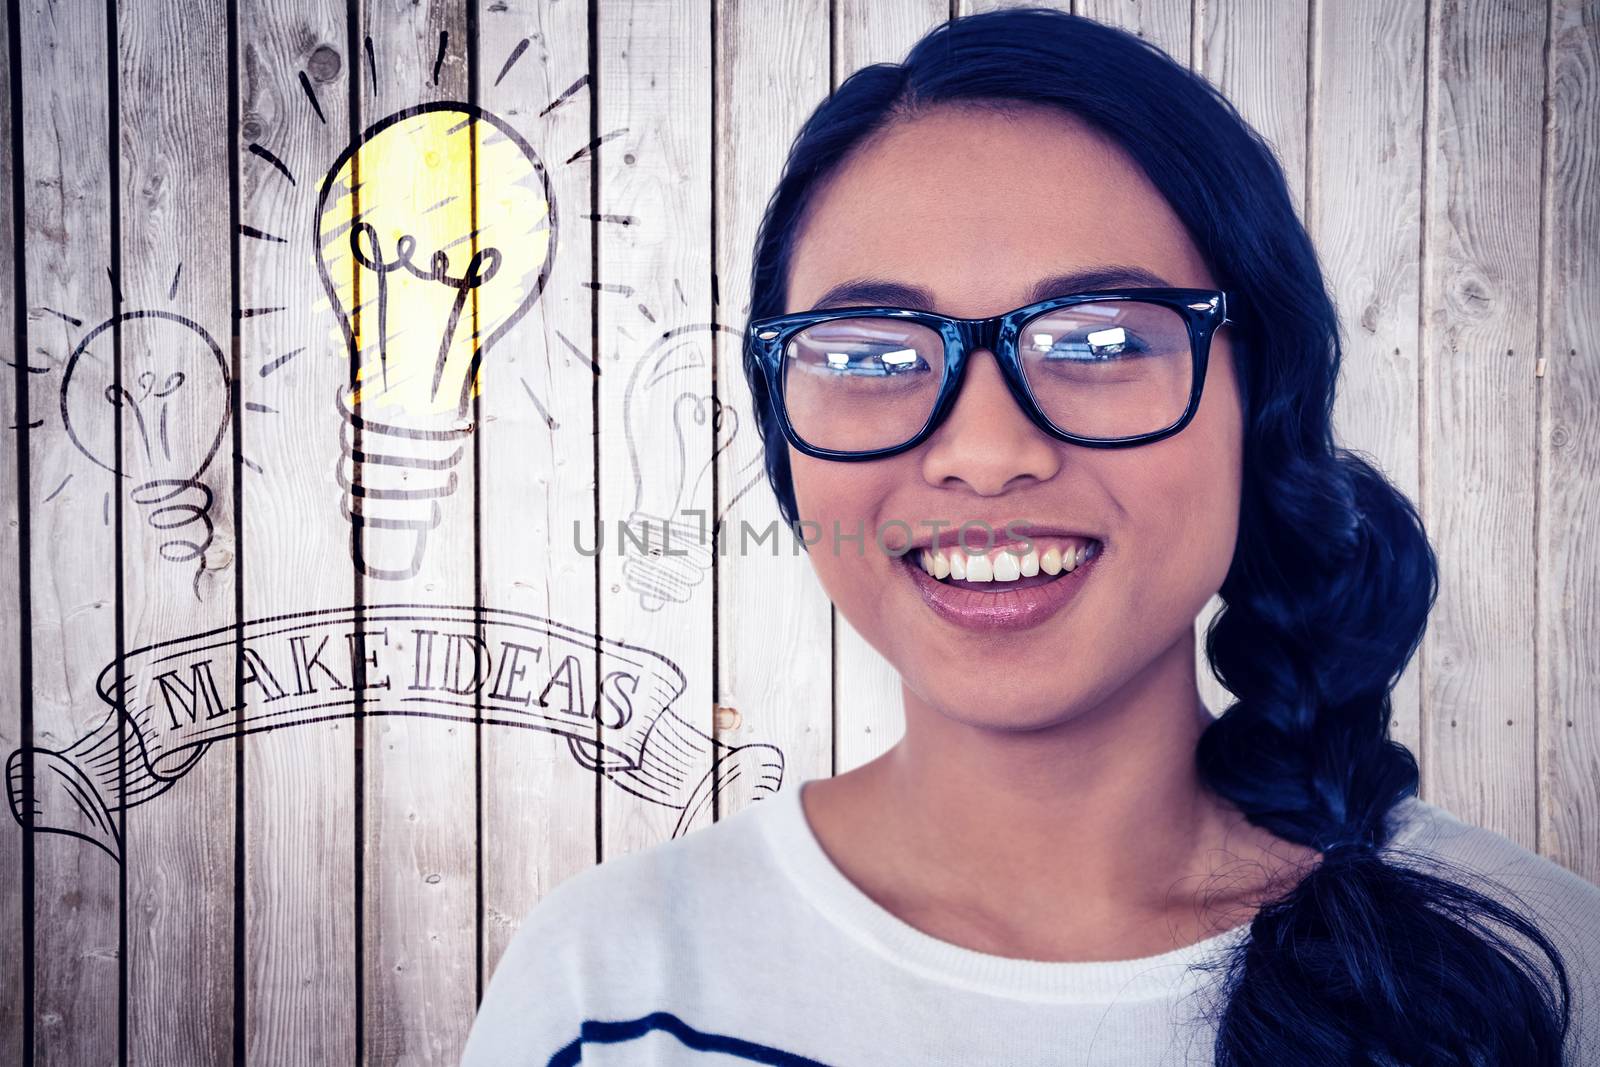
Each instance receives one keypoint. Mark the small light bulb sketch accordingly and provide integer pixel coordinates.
(669, 513)
(174, 405)
(434, 233)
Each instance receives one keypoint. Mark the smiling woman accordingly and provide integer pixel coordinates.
(1035, 307)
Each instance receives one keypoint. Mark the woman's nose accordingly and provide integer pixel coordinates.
(987, 442)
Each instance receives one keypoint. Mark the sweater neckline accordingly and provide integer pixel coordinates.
(799, 854)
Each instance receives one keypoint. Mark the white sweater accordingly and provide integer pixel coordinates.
(741, 942)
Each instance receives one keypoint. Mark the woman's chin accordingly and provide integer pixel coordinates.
(981, 702)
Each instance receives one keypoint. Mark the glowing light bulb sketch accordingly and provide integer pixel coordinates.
(678, 543)
(174, 398)
(434, 234)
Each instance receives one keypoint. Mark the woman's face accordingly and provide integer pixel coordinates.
(976, 208)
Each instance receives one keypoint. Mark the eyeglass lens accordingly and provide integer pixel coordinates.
(1108, 369)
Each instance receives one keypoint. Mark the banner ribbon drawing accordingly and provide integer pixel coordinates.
(488, 665)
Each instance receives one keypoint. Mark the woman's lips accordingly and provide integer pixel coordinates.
(1011, 606)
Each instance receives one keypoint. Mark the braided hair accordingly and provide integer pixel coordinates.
(1367, 959)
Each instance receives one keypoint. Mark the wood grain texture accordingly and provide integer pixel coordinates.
(299, 824)
(175, 234)
(71, 569)
(1256, 52)
(1364, 217)
(775, 668)
(1167, 24)
(15, 945)
(536, 464)
(655, 422)
(419, 788)
(1480, 299)
(1569, 449)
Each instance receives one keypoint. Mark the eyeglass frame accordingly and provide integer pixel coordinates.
(1203, 311)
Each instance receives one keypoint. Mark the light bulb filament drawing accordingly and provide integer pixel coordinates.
(175, 415)
(121, 397)
(438, 271)
(413, 186)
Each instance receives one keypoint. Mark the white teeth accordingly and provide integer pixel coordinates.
(1005, 565)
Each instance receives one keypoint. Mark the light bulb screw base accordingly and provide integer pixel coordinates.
(392, 486)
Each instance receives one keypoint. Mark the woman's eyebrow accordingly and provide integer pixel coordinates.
(1110, 276)
(881, 291)
(876, 291)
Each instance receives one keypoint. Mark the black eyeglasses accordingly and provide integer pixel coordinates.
(1110, 368)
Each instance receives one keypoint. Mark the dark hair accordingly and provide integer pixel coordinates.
(1367, 960)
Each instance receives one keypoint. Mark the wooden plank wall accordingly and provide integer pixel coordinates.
(340, 890)
(299, 785)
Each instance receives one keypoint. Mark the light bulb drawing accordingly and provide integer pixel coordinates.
(174, 399)
(434, 234)
(678, 542)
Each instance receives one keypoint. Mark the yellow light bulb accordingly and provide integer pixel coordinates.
(434, 234)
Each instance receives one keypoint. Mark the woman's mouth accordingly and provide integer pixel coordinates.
(1001, 588)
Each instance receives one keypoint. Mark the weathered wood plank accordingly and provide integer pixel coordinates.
(1167, 24)
(299, 860)
(420, 793)
(1480, 300)
(1569, 450)
(71, 569)
(175, 163)
(1365, 220)
(974, 7)
(536, 450)
(655, 418)
(17, 935)
(1256, 52)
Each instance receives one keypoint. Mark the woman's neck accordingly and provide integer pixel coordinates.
(1089, 839)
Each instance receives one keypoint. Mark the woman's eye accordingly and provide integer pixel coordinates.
(877, 364)
(1112, 343)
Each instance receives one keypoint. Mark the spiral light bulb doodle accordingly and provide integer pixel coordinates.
(174, 399)
(434, 234)
(678, 545)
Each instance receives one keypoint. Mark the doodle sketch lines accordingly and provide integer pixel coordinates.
(487, 666)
